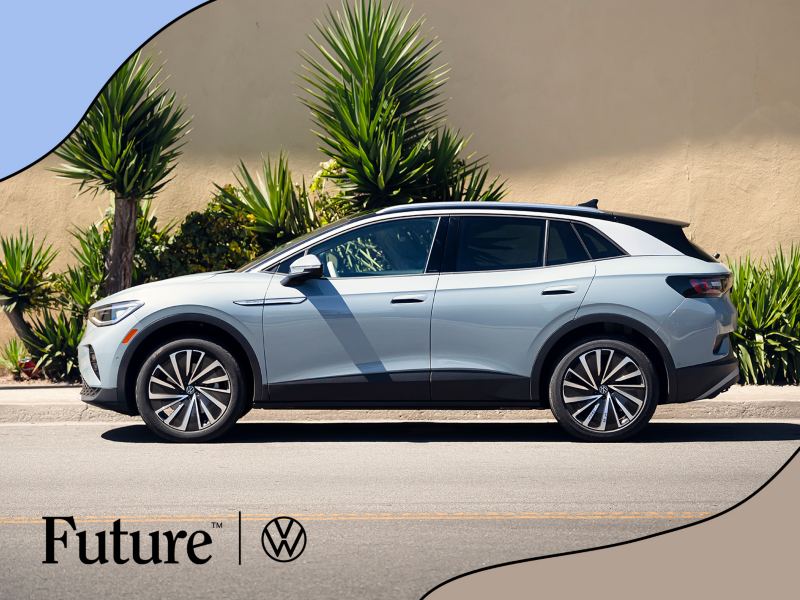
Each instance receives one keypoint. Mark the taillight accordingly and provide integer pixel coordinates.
(700, 286)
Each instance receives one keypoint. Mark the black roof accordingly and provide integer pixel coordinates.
(559, 209)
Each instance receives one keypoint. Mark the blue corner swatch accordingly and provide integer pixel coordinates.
(56, 56)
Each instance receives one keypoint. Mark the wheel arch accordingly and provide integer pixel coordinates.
(598, 324)
(206, 326)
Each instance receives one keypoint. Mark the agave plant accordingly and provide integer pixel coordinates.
(11, 354)
(460, 180)
(278, 209)
(56, 344)
(767, 298)
(25, 282)
(375, 96)
(78, 290)
(127, 144)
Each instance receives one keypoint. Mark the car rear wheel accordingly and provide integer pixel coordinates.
(603, 389)
(190, 390)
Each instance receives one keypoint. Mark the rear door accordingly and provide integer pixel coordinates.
(497, 298)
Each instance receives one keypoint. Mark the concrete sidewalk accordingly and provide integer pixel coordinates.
(54, 403)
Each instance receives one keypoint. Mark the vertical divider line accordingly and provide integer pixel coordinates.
(240, 538)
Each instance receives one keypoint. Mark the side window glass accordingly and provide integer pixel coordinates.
(563, 245)
(398, 247)
(599, 246)
(499, 243)
(286, 263)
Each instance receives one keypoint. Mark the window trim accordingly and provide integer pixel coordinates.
(439, 219)
(272, 264)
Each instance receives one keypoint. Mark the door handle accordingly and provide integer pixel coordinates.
(409, 298)
(557, 290)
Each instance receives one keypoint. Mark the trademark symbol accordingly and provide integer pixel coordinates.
(215, 525)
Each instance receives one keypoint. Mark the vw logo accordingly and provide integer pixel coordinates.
(603, 389)
(190, 390)
(283, 539)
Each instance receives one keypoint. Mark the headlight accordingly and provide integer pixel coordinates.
(113, 313)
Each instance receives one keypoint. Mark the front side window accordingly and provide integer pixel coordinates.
(499, 243)
(398, 247)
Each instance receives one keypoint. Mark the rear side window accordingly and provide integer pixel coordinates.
(599, 246)
(499, 243)
(563, 245)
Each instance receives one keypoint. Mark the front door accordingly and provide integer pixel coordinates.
(362, 332)
(497, 299)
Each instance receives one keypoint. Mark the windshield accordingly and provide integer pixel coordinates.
(299, 240)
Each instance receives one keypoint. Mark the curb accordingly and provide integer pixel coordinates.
(49, 412)
(53, 404)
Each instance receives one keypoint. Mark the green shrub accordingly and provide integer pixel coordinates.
(767, 297)
(216, 239)
(57, 339)
(329, 204)
(11, 354)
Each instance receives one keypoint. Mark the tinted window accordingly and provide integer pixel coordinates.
(285, 265)
(563, 245)
(392, 248)
(599, 246)
(494, 243)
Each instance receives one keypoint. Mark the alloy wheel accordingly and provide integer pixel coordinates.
(189, 390)
(604, 390)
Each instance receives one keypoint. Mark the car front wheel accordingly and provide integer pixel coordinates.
(603, 389)
(190, 390)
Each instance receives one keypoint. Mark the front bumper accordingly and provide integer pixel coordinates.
(105, 398)
(708, 379)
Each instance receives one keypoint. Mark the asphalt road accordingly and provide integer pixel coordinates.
(390, 509)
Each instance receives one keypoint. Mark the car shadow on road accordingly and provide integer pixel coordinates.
(426, 432)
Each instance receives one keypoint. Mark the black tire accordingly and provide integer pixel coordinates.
(172, 400)
(614, 400)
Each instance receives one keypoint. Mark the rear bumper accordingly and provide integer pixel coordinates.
(106, 398)
(707, 380)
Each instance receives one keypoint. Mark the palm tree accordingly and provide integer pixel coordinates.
(128, 145)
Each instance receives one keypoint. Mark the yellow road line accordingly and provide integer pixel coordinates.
(369, 517)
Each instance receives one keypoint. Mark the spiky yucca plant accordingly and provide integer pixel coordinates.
(25, 282)
(279, 210)
(127, 144)
(375, 95)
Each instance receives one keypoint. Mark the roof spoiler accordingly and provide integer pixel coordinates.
(593, 204)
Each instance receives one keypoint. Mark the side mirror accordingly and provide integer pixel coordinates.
(304, 268)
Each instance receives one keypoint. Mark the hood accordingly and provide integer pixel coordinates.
(132, 293)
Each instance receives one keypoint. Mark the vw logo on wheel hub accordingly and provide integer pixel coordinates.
(603, 389)
(190, 390)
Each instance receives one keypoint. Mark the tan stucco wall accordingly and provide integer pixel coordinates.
(687, 108)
